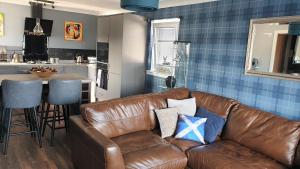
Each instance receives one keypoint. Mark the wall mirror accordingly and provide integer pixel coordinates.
(274, 47)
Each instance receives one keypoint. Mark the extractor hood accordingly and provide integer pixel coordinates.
(36, 25)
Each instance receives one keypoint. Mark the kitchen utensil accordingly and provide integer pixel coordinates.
(16, 58)
(79, 59)
(54, 60)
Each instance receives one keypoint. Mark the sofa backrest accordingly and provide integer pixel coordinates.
(118, 117)
(126, 115)
(214, 103)
(263, 132)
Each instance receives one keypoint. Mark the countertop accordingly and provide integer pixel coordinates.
(62, 63)
(24, 77)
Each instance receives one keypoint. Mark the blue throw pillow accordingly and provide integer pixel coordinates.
(190, 128)
(214, 124)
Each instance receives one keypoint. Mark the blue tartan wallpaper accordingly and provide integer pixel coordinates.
(219, 33)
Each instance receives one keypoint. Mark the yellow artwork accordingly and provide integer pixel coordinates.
(1, 24)
(73, 31)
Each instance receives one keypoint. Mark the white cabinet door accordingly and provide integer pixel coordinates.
(114, 88)
(115, 44)
(103, 29)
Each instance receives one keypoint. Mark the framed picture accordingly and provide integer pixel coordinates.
(73, 31)
(1, 24)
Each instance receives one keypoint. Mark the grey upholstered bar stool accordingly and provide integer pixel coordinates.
(20, 95)
(63, 94)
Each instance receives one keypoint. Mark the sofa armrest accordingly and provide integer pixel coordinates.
(91, 149)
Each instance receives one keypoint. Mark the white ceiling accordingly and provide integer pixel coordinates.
(103, 7)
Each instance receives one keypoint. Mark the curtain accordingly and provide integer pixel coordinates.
(149, 45)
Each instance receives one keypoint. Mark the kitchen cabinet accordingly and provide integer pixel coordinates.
(126, 37)
(103, 26)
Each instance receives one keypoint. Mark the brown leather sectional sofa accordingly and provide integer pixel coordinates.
(124, 133)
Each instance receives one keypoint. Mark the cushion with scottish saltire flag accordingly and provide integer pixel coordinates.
(191, 128)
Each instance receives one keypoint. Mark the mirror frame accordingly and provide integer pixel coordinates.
(249, 48)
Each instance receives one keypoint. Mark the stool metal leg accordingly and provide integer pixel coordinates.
(65, 118)
(42, 114)
(2, 125)
(45, 120)
(36, 126)
(28, 113)
(8, 115)
(55, 112)
(26, 117)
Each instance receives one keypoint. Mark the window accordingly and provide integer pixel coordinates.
(164, 34)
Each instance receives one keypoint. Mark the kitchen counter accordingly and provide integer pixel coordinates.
(24, 77)
(64, 67)
(40, 64)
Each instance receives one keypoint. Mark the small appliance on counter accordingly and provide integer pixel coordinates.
(3, 54)
(79, 59)
(54, 60)
(92, 60)
(16, 58)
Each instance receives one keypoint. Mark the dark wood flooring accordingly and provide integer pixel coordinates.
(25, 153)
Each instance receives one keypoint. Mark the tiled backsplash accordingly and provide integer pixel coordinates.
(69, 54)
(63, 54)
(219, 33)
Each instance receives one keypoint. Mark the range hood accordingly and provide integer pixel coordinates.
(37, 12)
(36, 25)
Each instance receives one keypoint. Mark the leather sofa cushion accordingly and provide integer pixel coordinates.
(118, 117)
(264, 132)
(184, 145)
(214, 103)
(228, 155)
(159, 101)
(145, 150)
(138, 141)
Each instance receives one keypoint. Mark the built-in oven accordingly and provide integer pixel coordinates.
(102, 65)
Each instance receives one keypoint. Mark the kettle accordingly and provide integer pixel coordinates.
(79, 59)
(16, 58)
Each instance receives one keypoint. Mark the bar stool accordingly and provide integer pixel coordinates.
(63, 94)
(20, 95)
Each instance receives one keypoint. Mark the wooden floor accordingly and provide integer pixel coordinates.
(25, 153)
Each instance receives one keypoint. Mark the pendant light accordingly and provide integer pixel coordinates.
(140, 5)
(38, 30)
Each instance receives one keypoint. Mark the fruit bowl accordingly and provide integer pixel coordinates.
(43, 72)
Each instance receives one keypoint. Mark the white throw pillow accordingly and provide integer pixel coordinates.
(167, 120)
(187, 106)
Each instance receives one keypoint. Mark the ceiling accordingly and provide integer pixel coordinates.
(102, 7)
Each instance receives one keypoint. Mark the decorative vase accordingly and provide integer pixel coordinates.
(170, 81)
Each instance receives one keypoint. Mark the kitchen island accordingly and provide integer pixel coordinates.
(65, 67)
(24, 77)
(87, 89)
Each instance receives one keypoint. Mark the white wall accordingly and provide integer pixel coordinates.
(14, 18)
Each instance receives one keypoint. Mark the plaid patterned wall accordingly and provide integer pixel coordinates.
(219, 34)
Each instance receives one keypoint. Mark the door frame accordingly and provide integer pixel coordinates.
(275, 39)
